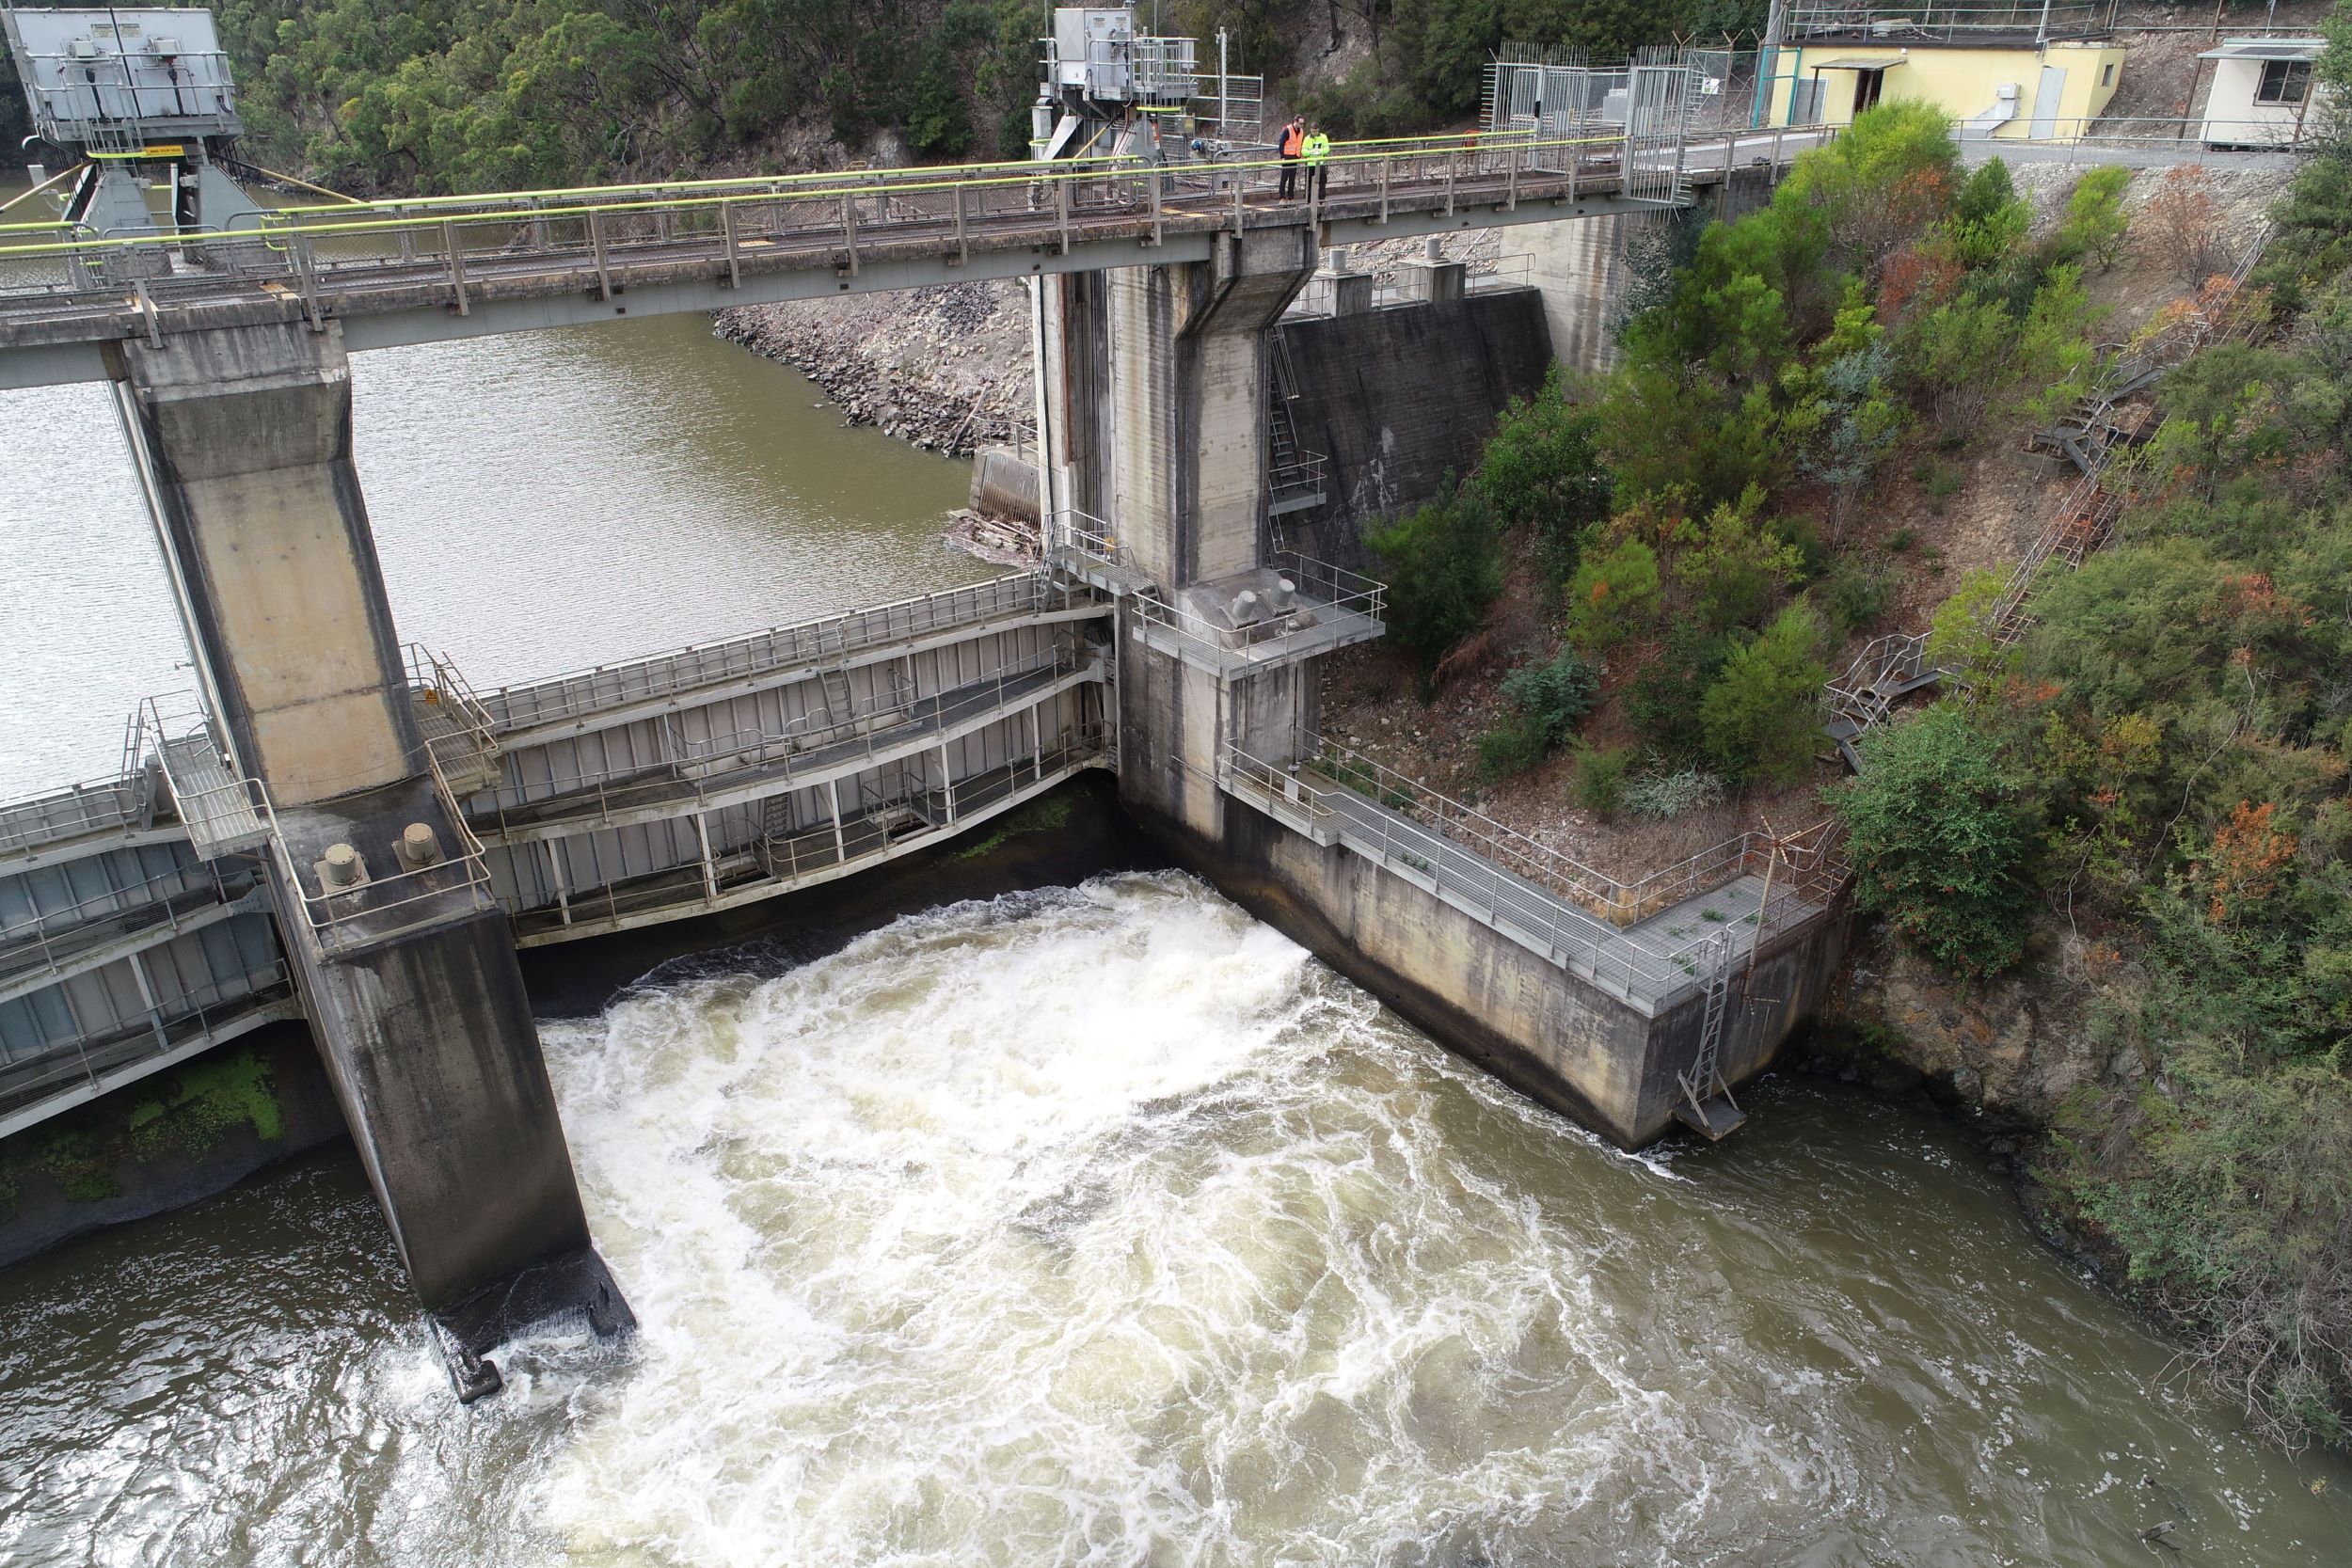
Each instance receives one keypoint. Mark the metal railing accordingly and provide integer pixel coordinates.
(439, 687)
(100, 806)
(1458, 856)
(1332, 591)
(581, 692)
(49, 940)
(1613, 899)
(1945, 20)
(774, 863)
(1868, 687)
(753, 759)
(447, 250)
(384, 907)
(1303, 475)
(339, 919)
(2187, 139)
(260, 993)
(1083, 533)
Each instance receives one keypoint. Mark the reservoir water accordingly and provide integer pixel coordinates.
(540, 502)
(1095, 1226)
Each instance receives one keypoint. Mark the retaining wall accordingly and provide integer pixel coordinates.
(1397, 398)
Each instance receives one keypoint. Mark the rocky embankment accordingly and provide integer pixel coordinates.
(946, 368)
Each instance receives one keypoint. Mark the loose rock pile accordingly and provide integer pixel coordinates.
(946, 368)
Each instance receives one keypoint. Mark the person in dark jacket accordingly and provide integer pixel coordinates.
(1291, 142)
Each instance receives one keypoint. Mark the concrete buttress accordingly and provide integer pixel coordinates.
(243, 441)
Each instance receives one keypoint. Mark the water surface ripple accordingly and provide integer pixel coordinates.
(1103, 1225)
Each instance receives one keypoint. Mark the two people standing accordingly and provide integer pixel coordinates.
(1299, 144)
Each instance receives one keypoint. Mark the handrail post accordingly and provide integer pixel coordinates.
(848, 226)
(596, 243)
(734, 265)
(1062, 211)
(963, 249)
(456, 264)
(1511, 180)
(1386, 164)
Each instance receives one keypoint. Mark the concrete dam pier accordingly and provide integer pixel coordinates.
(339, 827)
(405, 967)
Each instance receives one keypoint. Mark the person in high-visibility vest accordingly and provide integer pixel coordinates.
(1292, 140)
(1317, 153)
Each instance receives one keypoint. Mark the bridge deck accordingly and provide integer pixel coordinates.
(500, 265)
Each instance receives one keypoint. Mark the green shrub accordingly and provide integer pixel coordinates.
(1542, 471)
(1858, 596)
(1962, 637)
(1735, 565)
(1662, 701)
(1544, 701)
(1443, 566)
(1601, 780)
(1935, 844)
(1511, 748)
(1614, 598)
(1942, 481)
(1664, 794)
(2095, 223)
(1762, 716)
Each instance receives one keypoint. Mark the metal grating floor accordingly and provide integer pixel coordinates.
(214, 803)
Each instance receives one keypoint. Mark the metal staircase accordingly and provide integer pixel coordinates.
(1295, 479)
(833, 682)
(1706, 1107)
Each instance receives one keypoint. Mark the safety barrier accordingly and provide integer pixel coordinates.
(556, 699)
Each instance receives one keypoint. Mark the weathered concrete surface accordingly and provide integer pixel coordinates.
(1188, 388)
(1580, 268)
(430, 1042)
(244, 439)
(1399, 398)
(167, 1141)
(1563, 1042)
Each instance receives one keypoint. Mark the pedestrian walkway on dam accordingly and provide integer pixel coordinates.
(877, 825)
(740, 770)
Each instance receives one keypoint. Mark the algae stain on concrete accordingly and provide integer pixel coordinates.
(186, 1110)
(1038, 816)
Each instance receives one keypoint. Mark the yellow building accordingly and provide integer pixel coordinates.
(2012, 88)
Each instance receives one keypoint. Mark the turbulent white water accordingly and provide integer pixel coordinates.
(1102, 1226)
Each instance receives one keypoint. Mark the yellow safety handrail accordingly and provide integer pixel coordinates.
(28, 194)
(273, 229)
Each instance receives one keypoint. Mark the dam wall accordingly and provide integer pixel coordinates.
(1398, 398)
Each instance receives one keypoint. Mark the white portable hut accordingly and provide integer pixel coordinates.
(2264, 92)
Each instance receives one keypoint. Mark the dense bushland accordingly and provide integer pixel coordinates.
(375, 96)
(1693, 507)
(2161, 766)
(2147, 801)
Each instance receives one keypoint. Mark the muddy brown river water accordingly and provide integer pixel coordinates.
(1098, 1226)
